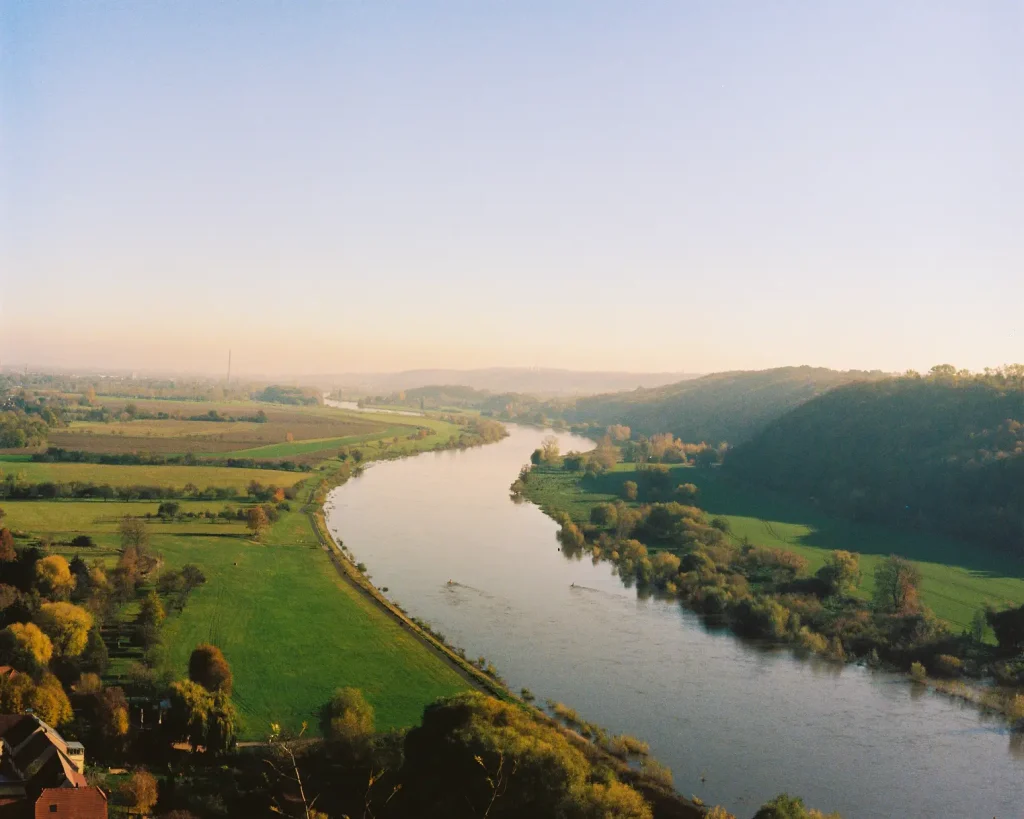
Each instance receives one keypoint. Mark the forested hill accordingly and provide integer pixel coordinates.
(730, 406)
(944, 452)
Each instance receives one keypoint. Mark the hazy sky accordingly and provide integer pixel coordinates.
(688, 186)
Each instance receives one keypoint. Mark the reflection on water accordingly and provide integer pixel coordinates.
(751, 722)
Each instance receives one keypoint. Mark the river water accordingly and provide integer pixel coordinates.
(736, 723)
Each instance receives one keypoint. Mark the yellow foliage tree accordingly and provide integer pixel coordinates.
(67, 625)
(54, 577)
(29, 648)
(49, 701)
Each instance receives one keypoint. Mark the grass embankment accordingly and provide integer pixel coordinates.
(957, 578)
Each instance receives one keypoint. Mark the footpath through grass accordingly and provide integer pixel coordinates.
(957, 578)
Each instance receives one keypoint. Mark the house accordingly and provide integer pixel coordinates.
(41, 774)
(71, 803)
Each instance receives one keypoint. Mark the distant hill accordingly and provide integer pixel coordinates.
(730, 406)
(540, 382)
(450, 396)
(944, 452)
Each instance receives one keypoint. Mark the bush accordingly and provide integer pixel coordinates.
(946, 665)
(918, 672)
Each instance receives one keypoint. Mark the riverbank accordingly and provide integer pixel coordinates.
(653, 786)
(772, 591)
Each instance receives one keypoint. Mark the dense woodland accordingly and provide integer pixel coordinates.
(943, 452)
(730, 406)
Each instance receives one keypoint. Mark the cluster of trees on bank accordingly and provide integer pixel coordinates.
(659, 539)
(943, 451)
(294, 396)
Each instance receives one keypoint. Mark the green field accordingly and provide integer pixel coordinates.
(176, 476)
(62, 520)
(291, 628)
(291, 448)
(293, 631)
(957, 578)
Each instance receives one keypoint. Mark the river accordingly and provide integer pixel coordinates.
(736, 723)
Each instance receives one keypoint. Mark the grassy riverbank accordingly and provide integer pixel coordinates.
(292, 627)
(957, 579)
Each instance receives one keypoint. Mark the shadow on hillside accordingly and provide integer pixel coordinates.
(720, 495)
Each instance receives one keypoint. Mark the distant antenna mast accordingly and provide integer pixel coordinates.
(229, 366)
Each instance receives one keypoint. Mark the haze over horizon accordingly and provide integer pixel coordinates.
(341, 187)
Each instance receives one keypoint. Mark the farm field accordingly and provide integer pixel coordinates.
(62, 520)
(957, 578)
(176, 436)
(175, 476)
(291, 629)
(294, 632)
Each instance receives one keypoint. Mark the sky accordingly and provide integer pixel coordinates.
(370, 186)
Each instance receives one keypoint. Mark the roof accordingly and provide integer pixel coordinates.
(71, 803)
(38, 754)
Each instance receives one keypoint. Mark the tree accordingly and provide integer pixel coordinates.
(348, 719)
(168, 509)
(256, 520)
(604, 514)
(208, 667)
(629, 490)
(50, 702)
(896, 584)
(151, 612)
(1008, 627)
(67, 625)
(193, 576)
(140, 792)
(14, 693)
(95, 658)
(190, 709)
(619, 432)
(7, 550)
(221, 725)
(134, 533)
(841, 572)
(54, 577)
(201, 718)
(687, 493)
(785, 806)
(25, 646)
(549, 450)
(112, 711)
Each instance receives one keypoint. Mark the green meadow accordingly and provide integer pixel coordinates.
(958, 578)
(176, 476)
(293, 632)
